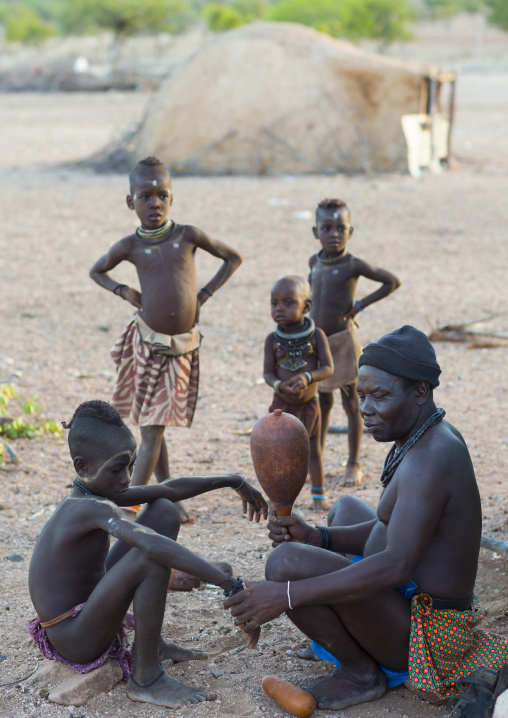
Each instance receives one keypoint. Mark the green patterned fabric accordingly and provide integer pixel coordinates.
(445, 646)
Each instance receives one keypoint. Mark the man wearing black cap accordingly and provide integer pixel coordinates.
(404, 603)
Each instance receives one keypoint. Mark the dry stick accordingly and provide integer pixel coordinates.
(11, 683)
(492, 544)
(460, 332)
(10, 451)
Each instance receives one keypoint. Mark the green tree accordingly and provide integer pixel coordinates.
(385, 20)
(24, 24)
(221, 16)
(439, 9)
(125, 17)
(497, 13)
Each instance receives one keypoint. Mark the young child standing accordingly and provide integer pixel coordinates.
(334, 274)
(157, 353)
(297, 357)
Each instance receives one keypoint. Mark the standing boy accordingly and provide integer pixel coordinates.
(297, 357)
(82, 591)
(157, 353)
(334, 274)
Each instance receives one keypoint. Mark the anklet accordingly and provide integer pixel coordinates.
(318, 492)
(146, 685)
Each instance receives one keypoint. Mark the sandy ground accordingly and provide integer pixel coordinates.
(445, 236)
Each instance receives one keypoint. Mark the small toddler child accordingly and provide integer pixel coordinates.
(297, 357)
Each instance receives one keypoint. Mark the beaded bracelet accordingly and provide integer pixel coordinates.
(326, 538)
(238, 586)
(118, 290)
(309, 377)
(276, 385)
(357, 305)
(207, 291)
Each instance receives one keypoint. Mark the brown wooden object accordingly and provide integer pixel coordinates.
(280, 450)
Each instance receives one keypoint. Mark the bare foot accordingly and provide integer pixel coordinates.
(185, 517)
(341, 690)
(168, 692)
(181, 581)
(177, 654)
(321, 505)
(353, 475)
(307, 654)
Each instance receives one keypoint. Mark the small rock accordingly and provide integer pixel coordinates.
(217, 674)
(290, 652)
(80, 688)
(14, 557)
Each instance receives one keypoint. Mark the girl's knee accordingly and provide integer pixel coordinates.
(152, 433)
(161, 515)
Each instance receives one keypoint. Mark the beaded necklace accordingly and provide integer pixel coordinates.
(78, 485)
(160, 234)
(334, 260)
(295, 344)
(394, 457)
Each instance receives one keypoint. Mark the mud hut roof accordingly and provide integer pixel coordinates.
(283, 98)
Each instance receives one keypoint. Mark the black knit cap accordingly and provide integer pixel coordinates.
(405, 352)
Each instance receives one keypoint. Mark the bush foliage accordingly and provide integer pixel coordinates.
(383, 20)
(27, 425)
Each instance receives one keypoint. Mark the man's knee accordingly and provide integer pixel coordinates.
(279, 563)
(350, 510)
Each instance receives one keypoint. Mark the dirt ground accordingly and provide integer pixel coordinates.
(445, 236)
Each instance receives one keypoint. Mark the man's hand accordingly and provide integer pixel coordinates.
(258, 603)
(257, 504)
(133, 297)
(291, 528)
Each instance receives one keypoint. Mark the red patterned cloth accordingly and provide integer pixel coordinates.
(445, 646)
(152, 388)
(117, 649)
(308, 413)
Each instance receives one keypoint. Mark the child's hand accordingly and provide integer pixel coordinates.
(355, 309)
(133, 297)
(296, 385)
(256, 501)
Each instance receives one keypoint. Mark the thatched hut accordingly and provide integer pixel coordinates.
(282, 98)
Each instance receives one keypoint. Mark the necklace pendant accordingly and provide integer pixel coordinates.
(293, 363)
